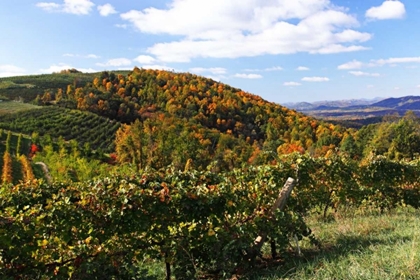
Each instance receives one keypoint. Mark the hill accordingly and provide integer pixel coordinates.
(26, 88)
(400, 103)
(218, 118)
(318, 105)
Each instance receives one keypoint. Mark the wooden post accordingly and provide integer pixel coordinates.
(280, 203)
(168, 271)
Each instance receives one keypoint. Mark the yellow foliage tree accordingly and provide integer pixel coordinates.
(27, 172)
(7, 176)
(129, 144)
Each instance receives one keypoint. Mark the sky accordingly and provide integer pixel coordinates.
(283, 50)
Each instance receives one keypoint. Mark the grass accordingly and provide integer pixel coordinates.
(366, 246)
(10, 107)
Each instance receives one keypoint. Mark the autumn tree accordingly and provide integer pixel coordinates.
(406, 140)
(7, 176)
(348, 146)
(130, 144)
(27, 170)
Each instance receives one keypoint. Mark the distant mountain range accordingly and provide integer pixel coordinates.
(358, 111)
(322, 105)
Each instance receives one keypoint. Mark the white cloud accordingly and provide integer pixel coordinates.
(7, 70)
(396, 88)
(315, 79)
(158, 67)
(106, 10)
(55, 68)
(145, 59)
(274, 68)
(370, 86)
(76, 7)
(94, 56)
(302, 68)
(49, 7)
(116, 62)
(216, 78)
(248, 28)
(350, 35)
(360, 73)
(392, 62)
(396, 60)
(418, 86)
(389, 9)
(268, 69)
(351, 65)
(291, 84)
(340, 49)
(248, 76)
(213, 70)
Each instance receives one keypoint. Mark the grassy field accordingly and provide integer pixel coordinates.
(9, 107)
(363, 246)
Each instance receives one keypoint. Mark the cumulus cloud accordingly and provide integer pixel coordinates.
(274, 68)
(213, 70)
(366, 74)
(106, 10)
(315, 79)
(55, 68)
(268, 69)
(76, 7)
(49, 7)
(7, 70)
(158, 67)
(291, 84)
(302, 68)
(355, 64)
(116, 62)
(393, 61)
(389, 9)
(145, 59)
(92, 56)
(396, 60)
(248, 28)
(248, 76)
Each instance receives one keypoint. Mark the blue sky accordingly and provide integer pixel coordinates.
(282, 50)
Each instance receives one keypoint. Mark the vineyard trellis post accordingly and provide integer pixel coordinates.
(280, 203)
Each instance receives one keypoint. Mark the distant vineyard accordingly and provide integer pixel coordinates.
(83, 127)
(28, 87)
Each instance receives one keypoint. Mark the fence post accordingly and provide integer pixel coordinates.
(280, 203)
